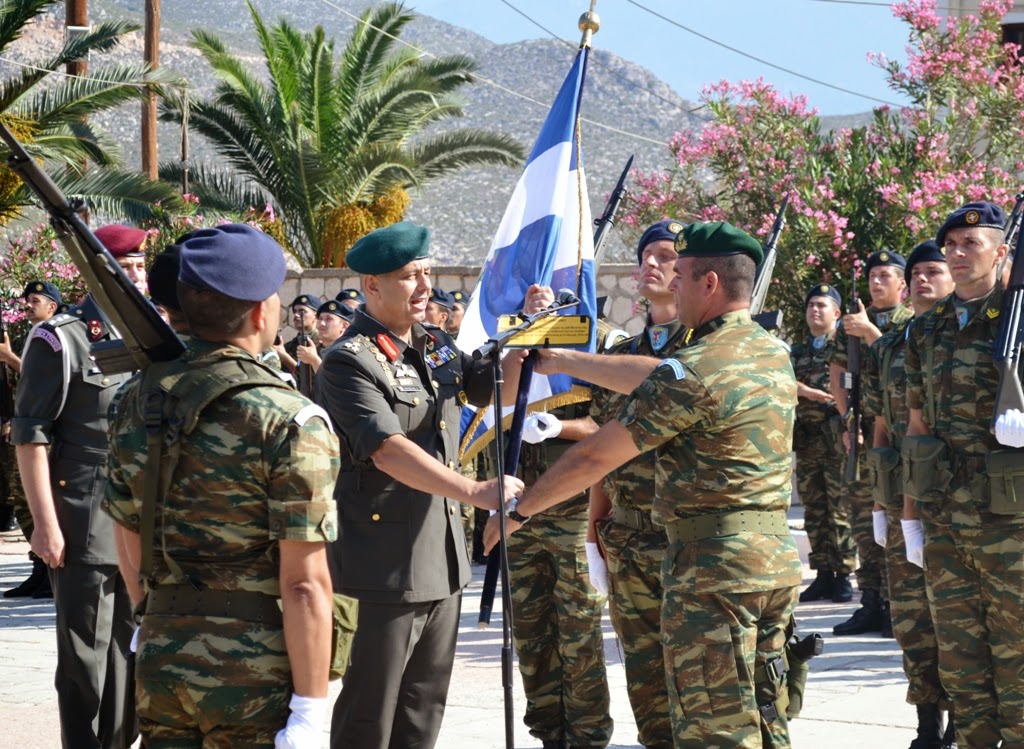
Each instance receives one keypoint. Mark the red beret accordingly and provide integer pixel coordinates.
(122, 241)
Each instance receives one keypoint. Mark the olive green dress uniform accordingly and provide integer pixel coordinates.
(720, 415)
(66, 408)
(974, 532)
(885, 394)
(556, 623)
(258, 467)
(871, 572)
(820, 458)
(401, 552)
(635, 550)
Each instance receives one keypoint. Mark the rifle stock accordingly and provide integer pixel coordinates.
(852, 385)
(1007, 346)
(144, 337)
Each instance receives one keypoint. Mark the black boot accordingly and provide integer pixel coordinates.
(554, 744)
(842, 591)
(929, 728)
(887, 620)
(868, 618)
(949, 736)
(45, 590)
(32, 583)
(820, 588)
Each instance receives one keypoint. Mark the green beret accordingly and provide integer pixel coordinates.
(717, 239)
(388, 249)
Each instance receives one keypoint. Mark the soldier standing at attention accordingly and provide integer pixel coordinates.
(620, 507)
(238, 599)
(964, 482)
(393, 387)
(820, 454)
(460, 301)
(439, 308)
(303, 309)
(719, 413)
(886, 286)
(60, 436)
(351, 298)
(332, 320)
(885, 398)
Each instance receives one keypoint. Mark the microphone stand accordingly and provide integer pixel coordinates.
(509, 464)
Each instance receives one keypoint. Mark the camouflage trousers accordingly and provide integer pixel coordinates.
(176, 715)
(912, 619)
(556, 629)
(11, 491)
(634, 575)
(871, 571)
(714, 645)
(974, 568)
(826, 514)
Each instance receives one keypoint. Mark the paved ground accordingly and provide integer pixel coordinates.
(855, 697)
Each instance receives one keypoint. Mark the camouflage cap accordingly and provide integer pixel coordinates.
(387, 249)
(717, 239)
(43, 288)
(927, 251)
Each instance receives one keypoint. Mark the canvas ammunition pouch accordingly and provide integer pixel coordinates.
(885, 476)
(345, 613)
(1005, 470)
(927, 470)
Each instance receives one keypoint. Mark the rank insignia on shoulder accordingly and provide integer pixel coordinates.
(676, 366)
(992, 313)
(431, 342)
(463, 400)
(354, 346)
(95, 330)
(389, 347)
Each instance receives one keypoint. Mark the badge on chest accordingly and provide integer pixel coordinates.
(440, 357)
(408, 381)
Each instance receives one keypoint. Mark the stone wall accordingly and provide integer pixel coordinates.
(614, 281)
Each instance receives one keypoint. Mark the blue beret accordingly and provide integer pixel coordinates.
(387, 249)
(717, 239)
(236, 260)
(667, 229)
(437, 296)
(345, 294)
(928, 250)
(163, 277)
(43, 288)
(826, 290)
(973, 214)
(460, 297)
(334, 307)
(885, 257)
(306, 300)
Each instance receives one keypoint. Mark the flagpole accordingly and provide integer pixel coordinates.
(590, 24)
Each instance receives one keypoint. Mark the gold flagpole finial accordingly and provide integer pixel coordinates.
(589, 24)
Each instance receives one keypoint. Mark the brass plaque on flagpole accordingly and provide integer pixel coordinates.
(556, 331)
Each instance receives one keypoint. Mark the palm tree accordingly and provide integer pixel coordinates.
(324, 138)
(52, 117)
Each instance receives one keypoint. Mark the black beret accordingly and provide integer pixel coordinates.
(437, 296)
(346, 294)
(43, 288)
(973, 214)
(885, 257)
(236, 260)
(717, 239)
(667, 229)
(460, 297)
(334, 307)
(163, 277)
(306, 300)
(387, 249)
(122, 241)
(826, 290)
(927, 251)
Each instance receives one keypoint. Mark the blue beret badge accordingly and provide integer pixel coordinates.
(972, 217)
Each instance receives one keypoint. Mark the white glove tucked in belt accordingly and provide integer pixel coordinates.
(598, 568)
(305, 726)
(881, 525)
(1010, 428)
(913, 534)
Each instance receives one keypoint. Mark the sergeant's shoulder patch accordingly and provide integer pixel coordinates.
(50, 337)
(676, 366)
(992, 312)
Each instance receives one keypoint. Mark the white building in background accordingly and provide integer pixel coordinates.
(1013, 24)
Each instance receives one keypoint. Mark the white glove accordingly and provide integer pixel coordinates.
(598, 568)
(305, 724)
(1010, 428)
(913, 534)
(133, 646)
(881, 526)
(540, 426)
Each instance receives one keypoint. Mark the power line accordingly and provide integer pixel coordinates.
(788, 71)
(870, 3)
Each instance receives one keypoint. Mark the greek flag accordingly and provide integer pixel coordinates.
(545, 237)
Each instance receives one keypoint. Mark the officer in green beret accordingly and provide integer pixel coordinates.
(719, 415)
(393, 386)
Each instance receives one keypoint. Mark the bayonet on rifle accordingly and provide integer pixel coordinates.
(851, 382)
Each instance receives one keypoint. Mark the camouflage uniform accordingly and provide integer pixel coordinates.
(720, 414)
(885, 391)
(819, 460)
(258, 467)
(635, 549)
(974, 547)
(556, 623)
(871, 572)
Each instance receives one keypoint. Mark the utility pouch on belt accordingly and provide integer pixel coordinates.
(926, 468)
(884, 476)
(798, 652)
(1005, 469)
(345, 616)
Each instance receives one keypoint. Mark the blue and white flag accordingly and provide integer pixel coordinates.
(545, 237)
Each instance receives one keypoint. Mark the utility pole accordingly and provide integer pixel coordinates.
(152, 56)
(76, 18)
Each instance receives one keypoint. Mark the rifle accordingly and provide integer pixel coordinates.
(851, 382)
(768, 320)
(1011, 231)
(303, 372)
(6, 388)
(143, 336)
(1006, 347)
(607, 220)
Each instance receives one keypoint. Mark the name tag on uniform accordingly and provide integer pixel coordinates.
(440, 357)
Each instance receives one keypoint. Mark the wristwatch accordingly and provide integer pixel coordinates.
(512, 511)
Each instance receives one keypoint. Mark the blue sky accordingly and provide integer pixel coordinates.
(824, 40)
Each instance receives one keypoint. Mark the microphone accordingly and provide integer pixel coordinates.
(566, 298)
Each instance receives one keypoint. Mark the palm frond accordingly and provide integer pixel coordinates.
(14, 18)
(74, 98)
(456, 149)
(116, 192)
(219, 191)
